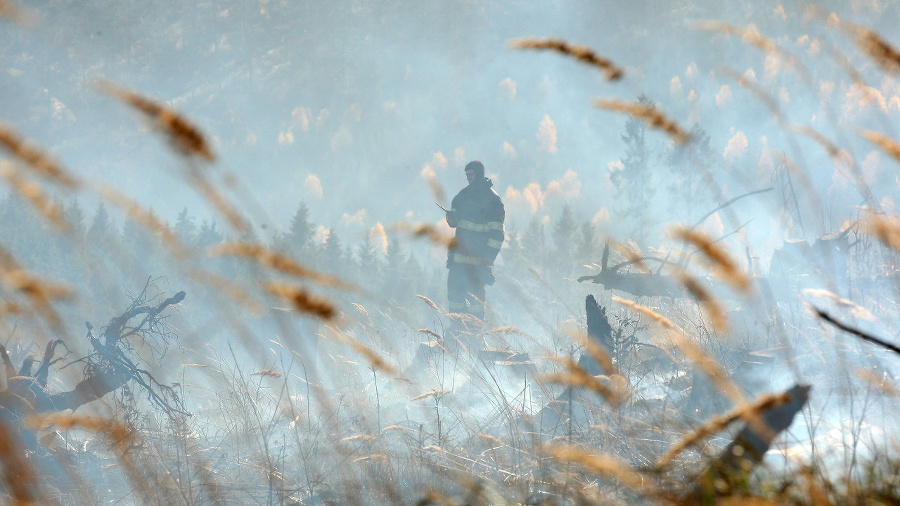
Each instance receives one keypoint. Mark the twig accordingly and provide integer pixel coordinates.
(856, 332)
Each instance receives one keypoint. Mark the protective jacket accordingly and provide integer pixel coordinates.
(477, 214)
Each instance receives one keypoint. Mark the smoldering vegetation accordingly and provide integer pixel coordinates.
(708, 313)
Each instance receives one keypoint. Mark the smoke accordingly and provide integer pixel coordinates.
(546, 135)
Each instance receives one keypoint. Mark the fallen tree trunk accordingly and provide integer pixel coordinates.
(733, 466)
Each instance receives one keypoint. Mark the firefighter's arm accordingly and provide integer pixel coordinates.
(451, 218)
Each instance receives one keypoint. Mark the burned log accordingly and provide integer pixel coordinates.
(732, 467)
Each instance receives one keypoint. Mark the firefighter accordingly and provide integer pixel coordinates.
(477, 214)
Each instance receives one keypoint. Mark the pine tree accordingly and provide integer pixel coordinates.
(334, 253)
(633, 182)
(565, 232)
(298, 239)
(185, 229)
(208, 235)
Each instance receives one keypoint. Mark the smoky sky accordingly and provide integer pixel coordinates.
(352, 106)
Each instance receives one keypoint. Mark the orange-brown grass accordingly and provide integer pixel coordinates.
(35, 195)
(271, 373)
(277, 261)
(659, 319)
(145, 218)
(716, 424)
(635, 256)
(749, 84)
(183, 135)
(42, 163)
(605, 465)
(878, 49)
(716, 314)
(885, 228)
(433, 393)
(229, 289)
(575, 376)
(830, 147)
(39, 292)
(581, 53)
(430, 303)
(218, 201)
(725, 266)
(301, 300)
(437, 189)
(594, 350)
(752, 37)
(888, 145)
(648, 114)
(429, 231)
(691, 350)
(431, 333)
(879, 381)
(16, 470)
(8, 10)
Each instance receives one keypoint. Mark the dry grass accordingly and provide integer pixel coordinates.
(583, 54)
(724, 266)
(648, 114)
(301, 300)
(182, 134)
(34, 158)
(35, 195)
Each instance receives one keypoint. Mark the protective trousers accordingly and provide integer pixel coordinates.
(465, 289)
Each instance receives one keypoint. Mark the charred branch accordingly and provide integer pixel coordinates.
(856, 332)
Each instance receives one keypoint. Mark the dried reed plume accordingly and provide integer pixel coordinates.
(375, 359)
(885, 228)
(229, 289)
(277, 261)
(271, 373)
(575, 376)
(431, 333)
(752, 37)
(648, 114)
(748, 84)
(581, 53)
(218, 201)
(878, 49)
(605, 465)
(34, 158)
(725, 266)
(659, 319)
(436, 189)
(41, 293)
(145, 218)
(712, 307)
(184, 136)
(118, 433)
(748, 413)
(430, 303)
(833, 150)
(8, 10)
(888, 145)
(433, 393)
(35, 195)
(594, 350)
(301, 300)
(879, 381)
(427, 230)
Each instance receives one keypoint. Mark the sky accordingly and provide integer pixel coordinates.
(352, 107)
